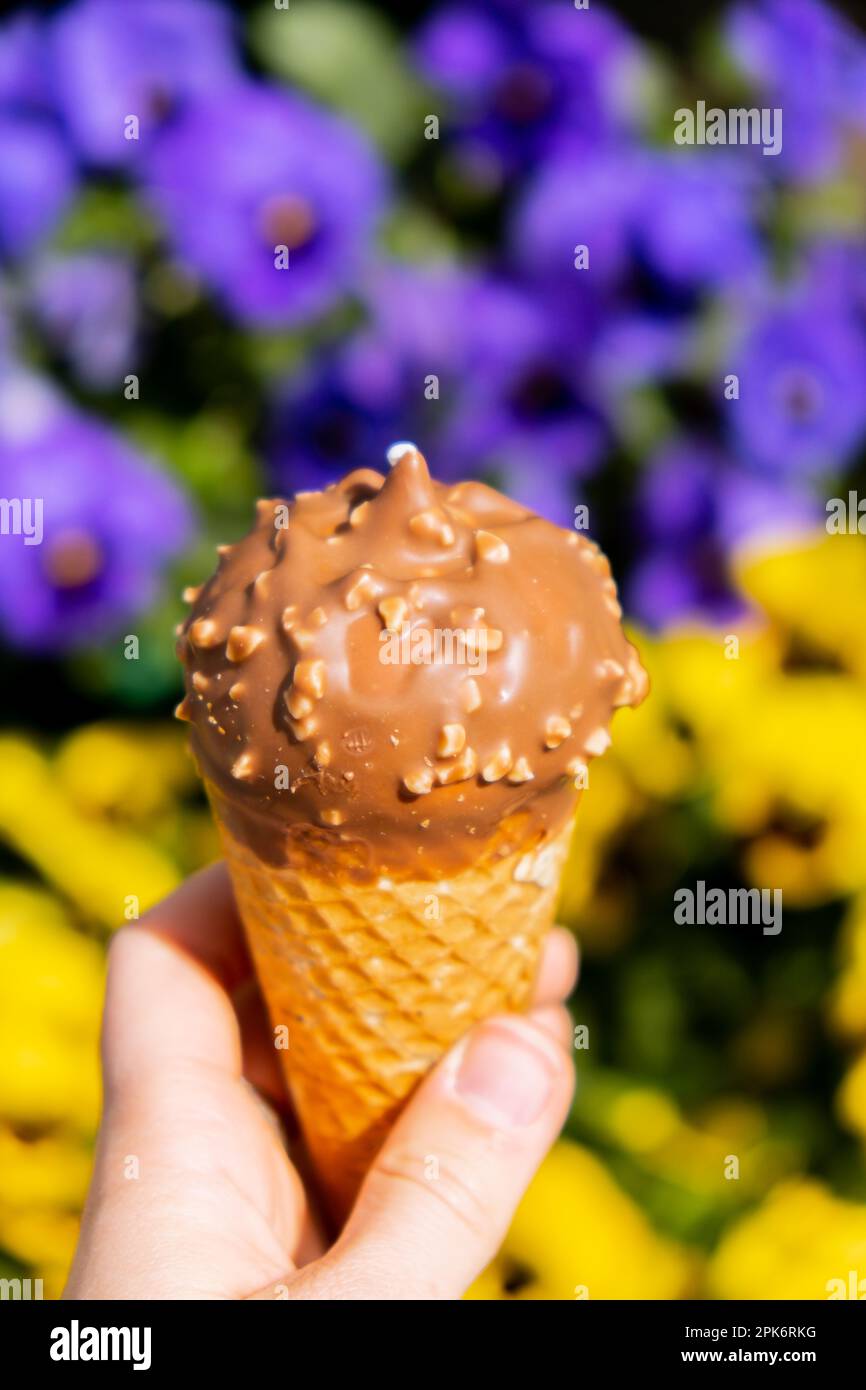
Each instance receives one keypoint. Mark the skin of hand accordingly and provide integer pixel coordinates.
(194, 1194)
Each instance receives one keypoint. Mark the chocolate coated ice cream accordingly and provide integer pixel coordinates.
(403, 675)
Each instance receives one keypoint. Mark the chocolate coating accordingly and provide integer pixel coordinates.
(317, 727)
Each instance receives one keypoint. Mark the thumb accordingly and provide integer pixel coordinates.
(434, 1209)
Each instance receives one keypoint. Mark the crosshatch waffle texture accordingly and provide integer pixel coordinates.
(374, 983)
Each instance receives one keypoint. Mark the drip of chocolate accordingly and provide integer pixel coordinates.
(405, 675)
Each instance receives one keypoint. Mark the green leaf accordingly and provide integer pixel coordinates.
(643, 420)
(210, 454)
(412, 233)
(350, 58)
(103, 216)
(149, 680)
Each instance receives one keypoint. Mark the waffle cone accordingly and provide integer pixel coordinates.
(372, 983)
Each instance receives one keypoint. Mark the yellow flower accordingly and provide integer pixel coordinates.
(609, 805)
(847, 1004)
(851, 1098)
(816, 592)
(51, 981)
(43, 1239)
(43, 1189)
(643, 1119)
(754, 718)
(108, 872)
(196, 833)
(693, 1153)
(784, 757)
(126, 771)
(49, 1172)
(577, 1235)
(711, 679)
(649, 761)
(801, 1240)
(814, 811)
(646, 744)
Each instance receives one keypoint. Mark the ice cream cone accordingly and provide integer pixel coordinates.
(394, 687)
(368, 985)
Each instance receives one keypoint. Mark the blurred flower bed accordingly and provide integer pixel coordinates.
(158, 372)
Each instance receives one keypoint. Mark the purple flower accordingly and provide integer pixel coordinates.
(236, 178)
(347, 407)
(690, 219)
(421, 314)
(693, 509)
(37, 180)
(519, 78)
(86, 307)
(145, 58)
(635, 348)
(341, 412)
(7, 330)
(578, 198)
(509, 373)
(802, 407)
(23, 81)
(510, 405)
(835, 271)
(37, 175)
(809, 60)
(109, 522)
(695, 219)
(521, 415)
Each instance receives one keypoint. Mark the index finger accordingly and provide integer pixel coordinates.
(201, 918)
(170, 981)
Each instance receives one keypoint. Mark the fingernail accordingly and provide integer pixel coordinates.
(504, 1077)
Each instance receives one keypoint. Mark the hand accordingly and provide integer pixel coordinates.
(194, 1194)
